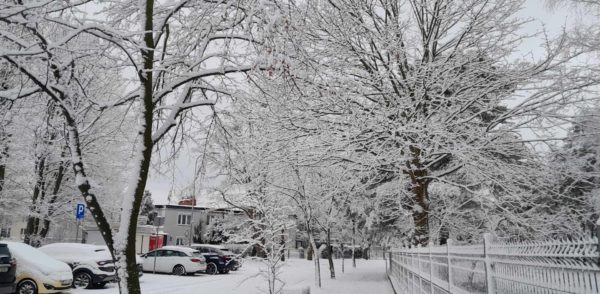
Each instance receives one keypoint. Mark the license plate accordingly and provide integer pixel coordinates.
(3, 269)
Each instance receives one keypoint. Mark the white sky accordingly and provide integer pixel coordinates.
(553, 20)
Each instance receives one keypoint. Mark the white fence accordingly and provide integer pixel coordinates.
(497, 267)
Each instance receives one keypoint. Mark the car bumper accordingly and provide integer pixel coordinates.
(103, 278)
(199, 268)
(7, 288)
(54, 286)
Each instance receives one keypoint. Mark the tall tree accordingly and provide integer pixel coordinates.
(179, 59)
(421, 92)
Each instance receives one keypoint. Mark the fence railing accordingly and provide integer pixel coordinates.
(559, 266)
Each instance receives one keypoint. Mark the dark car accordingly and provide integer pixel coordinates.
(216, 260)
(8, 269)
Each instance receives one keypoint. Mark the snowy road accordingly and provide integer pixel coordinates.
(368, 278)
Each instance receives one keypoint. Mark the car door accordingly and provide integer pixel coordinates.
(183, 259)
(169, 259)
(7, 270)
(148, 264)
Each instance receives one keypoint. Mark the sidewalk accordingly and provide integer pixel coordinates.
(367, 278)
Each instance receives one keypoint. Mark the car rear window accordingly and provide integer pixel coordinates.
(4, 250)
(197, 254)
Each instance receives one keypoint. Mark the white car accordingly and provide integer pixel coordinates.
(37, 272)
(92, 265)
(174, 259)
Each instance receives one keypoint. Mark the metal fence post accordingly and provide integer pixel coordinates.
(491, 287)
(412, 270)
(598, 239)
(448, 244)
(430, 268)
(390, 261)
(419, 262)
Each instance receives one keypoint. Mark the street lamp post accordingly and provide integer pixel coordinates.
(193, 201)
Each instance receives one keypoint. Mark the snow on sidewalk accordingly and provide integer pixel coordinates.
(367, 278)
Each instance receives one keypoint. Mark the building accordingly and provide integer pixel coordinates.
(182, 220)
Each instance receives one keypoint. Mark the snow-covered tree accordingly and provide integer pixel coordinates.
(415, 93)
(173, 55)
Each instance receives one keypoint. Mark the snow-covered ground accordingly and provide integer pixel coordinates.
(367, 278)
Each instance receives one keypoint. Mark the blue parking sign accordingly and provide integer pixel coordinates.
(80, 211)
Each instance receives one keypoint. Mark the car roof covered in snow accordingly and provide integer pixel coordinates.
(76, 252)
(29, 257)
(178, 248)
(210, 245)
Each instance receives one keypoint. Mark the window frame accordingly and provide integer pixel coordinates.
(184, 219)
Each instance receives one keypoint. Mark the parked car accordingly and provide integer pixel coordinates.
(174, 259)
(92, 265)
(37, 272)
(237, 260)
(8, 270)
(217, 261)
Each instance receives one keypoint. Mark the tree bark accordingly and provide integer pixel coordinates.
(420, 213)
(353, 243)
(330, 255)
(317, 263)
(60, 174)
(3, 156)
(343, 257)
(129, 218)
(36, 199)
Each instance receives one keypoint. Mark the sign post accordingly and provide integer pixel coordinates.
(79, 215)
(158, 222)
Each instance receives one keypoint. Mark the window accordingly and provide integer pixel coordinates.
(151, 254)
(184, 219)
(168, 253)
(22, 232)
(5, 232)
(179, 241)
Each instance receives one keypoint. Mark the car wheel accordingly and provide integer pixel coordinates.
(179, 270)
(211, 269)
(100, 285)
(27, 287)
(82, 280)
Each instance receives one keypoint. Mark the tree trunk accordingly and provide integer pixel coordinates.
(36, 199)
(343, 257)
(60, 174)
(353, 243)
(131, 205)
(330, 255)
(282, 243)
(420, 212)
(317, 264)
(3, 156)
(83, 184)
(417, 173)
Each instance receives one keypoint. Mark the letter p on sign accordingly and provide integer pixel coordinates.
(80, 211)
